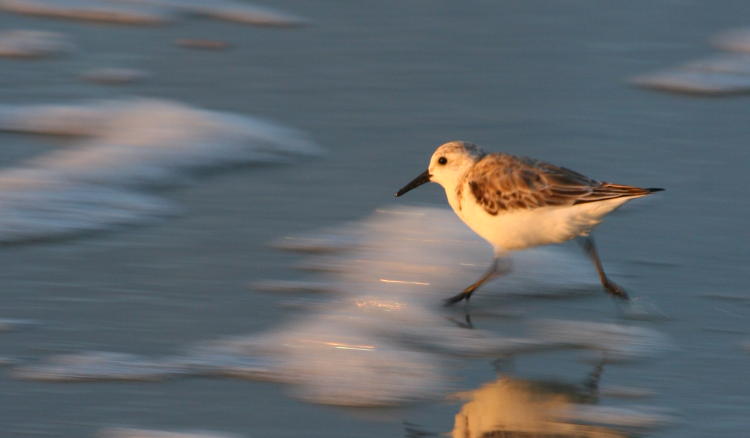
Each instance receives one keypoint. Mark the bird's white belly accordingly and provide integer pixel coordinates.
(525, 228)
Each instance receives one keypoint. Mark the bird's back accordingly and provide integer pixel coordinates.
(517, 202)
(502, 183)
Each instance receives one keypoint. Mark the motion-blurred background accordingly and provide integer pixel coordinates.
(198, 235)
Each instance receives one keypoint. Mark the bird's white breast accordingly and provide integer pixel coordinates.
(525, 228)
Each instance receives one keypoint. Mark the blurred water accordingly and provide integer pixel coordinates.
(377, 87)
(149, 12)
(127, 144)
(381, 339)
(32, 44)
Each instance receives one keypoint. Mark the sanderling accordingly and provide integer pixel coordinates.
(517, 202)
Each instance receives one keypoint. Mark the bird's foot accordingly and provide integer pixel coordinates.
(457, 298)
(615, 290)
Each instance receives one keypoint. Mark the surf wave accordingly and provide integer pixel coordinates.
(128, 432)
(126, 146)
(380, 336)
(151, 12)
(33, 44)
(89, 10)
(724, 74)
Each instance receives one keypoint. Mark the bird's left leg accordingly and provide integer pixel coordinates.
(587, 243)
(500, 266)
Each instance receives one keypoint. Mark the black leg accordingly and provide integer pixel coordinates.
(591, 385)
(587, 243)
(491, 273)
(592, 381)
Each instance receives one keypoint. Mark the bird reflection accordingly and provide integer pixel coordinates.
(516, 408)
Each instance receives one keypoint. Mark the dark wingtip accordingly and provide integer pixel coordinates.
(654, 189)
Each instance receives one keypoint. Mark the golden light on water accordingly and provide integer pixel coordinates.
(385, 305)
(340, 346)
(418, 283)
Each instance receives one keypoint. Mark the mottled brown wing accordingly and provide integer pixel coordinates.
(501, 182)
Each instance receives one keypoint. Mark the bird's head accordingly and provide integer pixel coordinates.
(448, 163)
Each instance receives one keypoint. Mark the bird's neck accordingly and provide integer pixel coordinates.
(454, 191)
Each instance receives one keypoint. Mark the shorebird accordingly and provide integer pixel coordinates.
(517, 202)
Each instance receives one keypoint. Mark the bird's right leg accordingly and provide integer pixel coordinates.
(499, 266)
(587, 243)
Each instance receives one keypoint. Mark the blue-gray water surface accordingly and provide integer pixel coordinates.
(378, 86)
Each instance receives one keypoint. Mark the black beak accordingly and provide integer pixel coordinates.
(423, 178)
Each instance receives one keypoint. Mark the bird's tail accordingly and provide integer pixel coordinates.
(623, 190)
(607, 191)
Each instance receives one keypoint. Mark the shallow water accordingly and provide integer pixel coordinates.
(377, 88)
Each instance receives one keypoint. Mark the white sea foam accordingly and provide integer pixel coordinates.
(717, 75)
(242, 12)
(37, 206)
(149, 12)
(427, 252)
(90, 10)
(229, 10)
(127, 432)
(93, 366)
(612, 342)
(736, 40)
(126, 145)
(114, 75)
(731, 63)
(347, 367)
(52, 119)
(696, 82)
(381, 337)
(148, 141)
(33, 44)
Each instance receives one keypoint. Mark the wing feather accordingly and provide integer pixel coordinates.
(502, 182)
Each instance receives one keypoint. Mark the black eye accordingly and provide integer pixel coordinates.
(442, 160)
